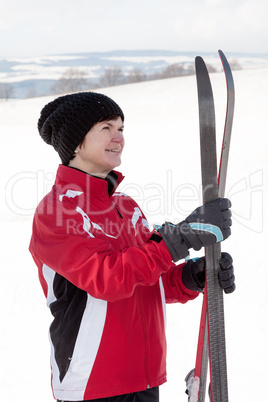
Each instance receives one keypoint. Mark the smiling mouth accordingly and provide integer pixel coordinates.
(113, 150)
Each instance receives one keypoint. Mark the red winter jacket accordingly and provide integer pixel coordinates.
(106, 278)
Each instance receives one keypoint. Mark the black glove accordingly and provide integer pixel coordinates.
(193, 274)
(226, 274)
(206, 225)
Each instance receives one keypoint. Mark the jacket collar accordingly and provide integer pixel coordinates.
(78, 180)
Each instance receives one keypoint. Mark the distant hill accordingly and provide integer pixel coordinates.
(34, 76)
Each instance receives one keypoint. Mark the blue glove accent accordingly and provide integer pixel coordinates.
(208, 228)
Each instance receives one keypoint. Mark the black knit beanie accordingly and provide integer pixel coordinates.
(65, 121)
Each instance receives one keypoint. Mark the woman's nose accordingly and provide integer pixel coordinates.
(119, 137)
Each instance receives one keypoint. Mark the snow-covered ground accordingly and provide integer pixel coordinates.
(162, 168)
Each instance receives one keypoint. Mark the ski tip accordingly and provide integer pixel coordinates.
(227, 69)
(198, 59)
(200, 66)
(222, 55)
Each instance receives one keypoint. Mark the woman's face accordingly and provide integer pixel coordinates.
(101, 150)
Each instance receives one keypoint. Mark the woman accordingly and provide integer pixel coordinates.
(105, 275)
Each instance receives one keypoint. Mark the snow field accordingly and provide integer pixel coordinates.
(162, 168)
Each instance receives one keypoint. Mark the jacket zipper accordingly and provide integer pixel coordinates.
(119, 213)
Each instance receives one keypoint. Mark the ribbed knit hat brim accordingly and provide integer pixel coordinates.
(65, 121)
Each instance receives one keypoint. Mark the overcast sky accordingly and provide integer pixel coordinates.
(37, 28)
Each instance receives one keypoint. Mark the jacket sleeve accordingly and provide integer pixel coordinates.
(92, 264)
(175, 291)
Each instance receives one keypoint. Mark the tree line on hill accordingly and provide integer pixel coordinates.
(74, 79)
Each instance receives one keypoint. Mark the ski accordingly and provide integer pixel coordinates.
(196, 379)
(228, 124)
(213, 293)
